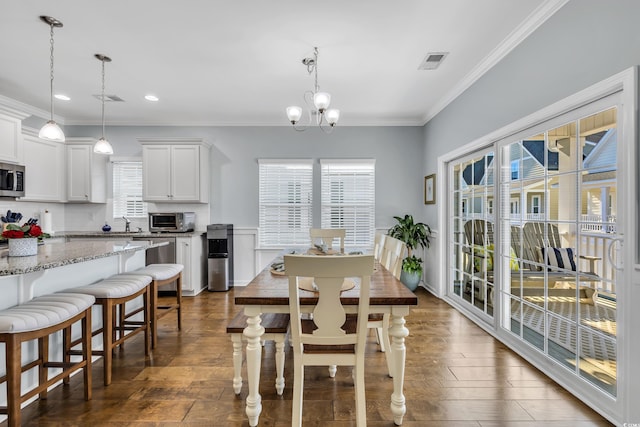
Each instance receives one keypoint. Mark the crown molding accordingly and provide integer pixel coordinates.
(538, 17)
(27, 110)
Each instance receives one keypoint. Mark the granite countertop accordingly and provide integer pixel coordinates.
(122, 234)
(58, 254)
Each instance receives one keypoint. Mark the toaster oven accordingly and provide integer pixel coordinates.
(172, 222)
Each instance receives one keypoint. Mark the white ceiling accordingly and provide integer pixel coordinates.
(239, 62)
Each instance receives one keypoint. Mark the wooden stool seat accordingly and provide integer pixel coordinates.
(162, 274)
(276, 326)
(36, 320)
(112, 294)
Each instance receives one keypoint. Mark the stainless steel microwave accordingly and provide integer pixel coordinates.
(172, 222)
(11, 180)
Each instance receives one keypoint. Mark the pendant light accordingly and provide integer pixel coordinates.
(51, 131)
(102, 146)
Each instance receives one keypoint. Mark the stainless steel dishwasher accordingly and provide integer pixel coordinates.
(162, 254)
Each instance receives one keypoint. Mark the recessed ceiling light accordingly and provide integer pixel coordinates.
(62, 97)
(151, 98)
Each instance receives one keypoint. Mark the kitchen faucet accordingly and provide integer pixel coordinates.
(127, 224)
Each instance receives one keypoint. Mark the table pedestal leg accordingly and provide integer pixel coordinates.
(398, 332)
(253, 332)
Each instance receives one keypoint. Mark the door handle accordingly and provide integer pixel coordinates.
(612, 243)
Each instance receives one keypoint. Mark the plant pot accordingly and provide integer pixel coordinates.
(410, 280)
(23, 247)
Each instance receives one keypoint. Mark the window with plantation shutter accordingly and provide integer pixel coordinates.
(348, 199)
(285, 202)
(127, 190)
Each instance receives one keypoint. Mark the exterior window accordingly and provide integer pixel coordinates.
(515, 170)
(348, 199)
(535, 204)
(127, 190)
(514, 206)
(285, 202)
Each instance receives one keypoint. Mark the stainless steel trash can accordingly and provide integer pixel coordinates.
(220, 257)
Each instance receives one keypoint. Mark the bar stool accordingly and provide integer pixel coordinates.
(275, 327)
(112, 294)
(36, 320)
(162, 274)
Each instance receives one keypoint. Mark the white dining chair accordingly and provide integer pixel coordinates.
(392, 253)
(332, 336)
(327, 236)
(378, 244)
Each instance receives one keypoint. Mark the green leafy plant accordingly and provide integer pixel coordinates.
(415, 235)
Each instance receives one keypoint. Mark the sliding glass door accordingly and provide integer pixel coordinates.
(471, 184)
(559, 268)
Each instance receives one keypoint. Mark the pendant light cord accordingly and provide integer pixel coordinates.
(51, 69)
(103, 98)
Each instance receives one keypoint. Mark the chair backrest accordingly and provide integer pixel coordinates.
(478, 232)
(378, 244)
(534, 237)
(393, 253)
(329, 315)
(326, 236)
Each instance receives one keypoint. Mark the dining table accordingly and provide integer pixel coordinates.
(268, 292)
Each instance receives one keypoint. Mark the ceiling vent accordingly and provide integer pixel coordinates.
(109, 98)
(432, 60)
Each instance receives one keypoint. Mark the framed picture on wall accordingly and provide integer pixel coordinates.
(430, 189)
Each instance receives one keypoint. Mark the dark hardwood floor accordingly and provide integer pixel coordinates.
(456, 375)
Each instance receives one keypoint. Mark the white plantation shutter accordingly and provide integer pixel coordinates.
(127, 190)
(348, 199)
(285, 202)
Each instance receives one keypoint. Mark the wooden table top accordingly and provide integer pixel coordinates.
(271, 289)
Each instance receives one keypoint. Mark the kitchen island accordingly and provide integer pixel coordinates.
(59, 266)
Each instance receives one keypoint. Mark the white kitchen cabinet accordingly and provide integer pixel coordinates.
(175, 170)
(11, 135)
(190, 253)
(86, 172)
(45, 172)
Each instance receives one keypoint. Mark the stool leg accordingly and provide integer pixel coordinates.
(148, 335)
(179, 299)
(14, 372)
(107, 338)
(153, 313)
(279, 340)
(66, 346)
(43, 358)
(86, 352)
(236, 339)
(122, 311)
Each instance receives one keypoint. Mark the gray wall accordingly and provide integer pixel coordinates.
(583, 43)
(398, 152)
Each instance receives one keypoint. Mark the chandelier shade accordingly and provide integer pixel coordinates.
(102, 146)
(51, 131)
(317, 102)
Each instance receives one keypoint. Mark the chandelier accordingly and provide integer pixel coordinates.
(51, 131)
(102, 146)
(317, 102)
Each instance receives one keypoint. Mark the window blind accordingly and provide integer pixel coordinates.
(285, 202)
(127, 190)
(348, 199)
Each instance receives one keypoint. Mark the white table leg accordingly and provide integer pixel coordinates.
(398, 333)
(253, 332)
(236, 339)
(279, 340)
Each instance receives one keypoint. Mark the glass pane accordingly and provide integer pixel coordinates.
(598, 360)
(562, 341)
(533, 325)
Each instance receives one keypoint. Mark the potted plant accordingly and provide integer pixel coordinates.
(414, 235)
(23, 241)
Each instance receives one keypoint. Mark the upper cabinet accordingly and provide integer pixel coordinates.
(44, 163)
(86, 172)
(175, 170)
(11, 134)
